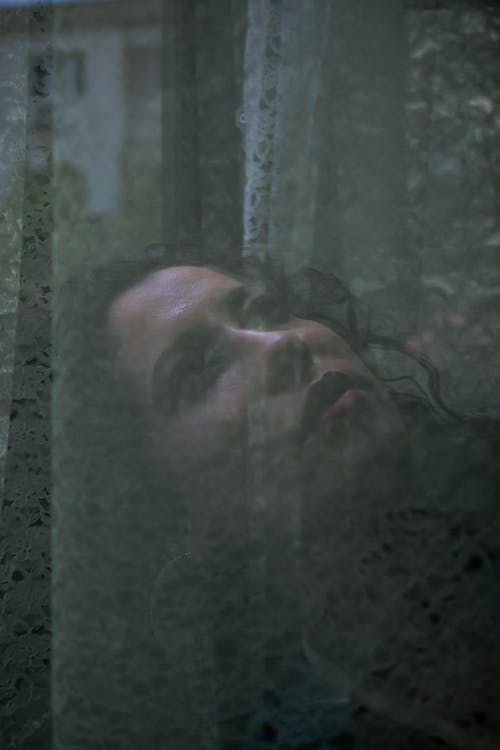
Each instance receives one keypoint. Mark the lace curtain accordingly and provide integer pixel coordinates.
(355, 163)
(25, 378)
(356, 138)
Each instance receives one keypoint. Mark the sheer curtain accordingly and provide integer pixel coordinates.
(358, 123)
(25, 376)
(358, 138)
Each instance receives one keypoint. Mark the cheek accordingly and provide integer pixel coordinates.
(210, 433)
(324, 341)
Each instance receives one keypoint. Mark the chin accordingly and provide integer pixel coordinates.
(356, 452)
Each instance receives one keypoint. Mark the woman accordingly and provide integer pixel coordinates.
(275, 470)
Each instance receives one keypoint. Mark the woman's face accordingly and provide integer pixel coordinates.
(218, 364)
(249, 408)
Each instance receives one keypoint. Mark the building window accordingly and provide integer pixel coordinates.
(143, 71)
(71, 74)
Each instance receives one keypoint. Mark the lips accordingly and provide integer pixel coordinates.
(331, 399)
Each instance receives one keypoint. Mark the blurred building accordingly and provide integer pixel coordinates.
(94, 86)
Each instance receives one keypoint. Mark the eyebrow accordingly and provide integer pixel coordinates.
(231, 302)
(234, 300)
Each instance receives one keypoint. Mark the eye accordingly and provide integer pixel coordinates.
(198, 365)
(197, 373)
(265, 310)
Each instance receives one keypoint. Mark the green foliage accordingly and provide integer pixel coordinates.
(141, 207)
(38, 205)
(83, 238)
(78, 233)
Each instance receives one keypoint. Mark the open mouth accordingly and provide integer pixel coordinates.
(333, 402)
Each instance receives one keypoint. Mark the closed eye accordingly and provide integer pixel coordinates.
(197, 366)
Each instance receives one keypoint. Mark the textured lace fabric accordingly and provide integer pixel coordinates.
(258, 117)
(308, 715)
(284, 56)
(25, 374)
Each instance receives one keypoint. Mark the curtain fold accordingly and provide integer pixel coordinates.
(26, 373)
(202, 155)
(13, 141)
(285, 52)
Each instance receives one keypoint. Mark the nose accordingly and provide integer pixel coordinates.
(282, 359)
(289, 363)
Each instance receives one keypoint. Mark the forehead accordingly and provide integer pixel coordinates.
(171, 291)
(146, 317)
